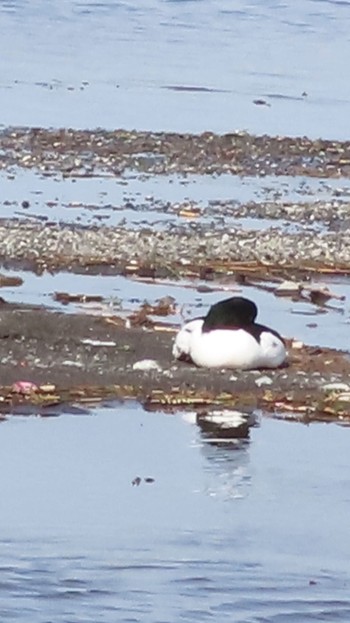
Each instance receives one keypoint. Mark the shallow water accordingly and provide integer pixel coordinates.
(251, 532)
(177, 65)
(135, 200)
(329, 324)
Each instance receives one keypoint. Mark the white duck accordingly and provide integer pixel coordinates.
(229, 337)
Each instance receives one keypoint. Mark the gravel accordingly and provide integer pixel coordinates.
(54, 247)
(83, 152)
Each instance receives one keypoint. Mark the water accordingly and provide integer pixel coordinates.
(115, 64)
(329, 324)
(137, 201)
(251, 532)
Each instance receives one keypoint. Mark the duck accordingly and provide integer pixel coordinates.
(229, 337)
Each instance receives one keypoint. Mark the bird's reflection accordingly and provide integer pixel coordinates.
(226, 425)
(225, 445)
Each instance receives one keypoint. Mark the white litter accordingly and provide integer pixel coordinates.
(263, 380)
(98, 342)
(146, 365)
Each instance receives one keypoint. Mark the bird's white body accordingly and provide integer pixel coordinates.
(182, 343)
(229, 347)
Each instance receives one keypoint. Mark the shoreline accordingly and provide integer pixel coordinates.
(78, 358)
(84, 152)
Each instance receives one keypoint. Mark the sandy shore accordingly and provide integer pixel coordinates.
(82, 358)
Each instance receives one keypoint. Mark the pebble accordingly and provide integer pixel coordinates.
(297, 344)
(146, 365)
(336, 387)
(344, 397)
(69, 362)
(54, 245)
(47, 388)
(91, 342)
(288, 287)
(263, 380)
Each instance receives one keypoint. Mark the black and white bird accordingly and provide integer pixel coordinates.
(229, 337)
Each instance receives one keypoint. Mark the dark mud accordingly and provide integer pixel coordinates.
(81, 358)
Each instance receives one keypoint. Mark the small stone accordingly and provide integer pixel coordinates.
(90, 342)
(263, 380)
(297, 344)
(47, 388)
(344, 397)
(146, 365)
(288, 287)
(336, 387)
(69, 362)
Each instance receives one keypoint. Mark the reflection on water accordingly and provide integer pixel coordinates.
(227, 470)
(80, 543)
(224, 442)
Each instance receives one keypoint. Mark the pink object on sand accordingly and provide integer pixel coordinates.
(24, 387)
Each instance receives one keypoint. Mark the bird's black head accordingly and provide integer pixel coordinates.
(236, 311)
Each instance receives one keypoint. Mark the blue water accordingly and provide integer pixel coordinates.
(115, 64)
(121, 295)
(137, 200)
(249, 533)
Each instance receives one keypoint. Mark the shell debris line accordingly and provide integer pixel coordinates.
(90, 346)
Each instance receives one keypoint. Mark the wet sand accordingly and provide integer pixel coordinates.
(83, 358)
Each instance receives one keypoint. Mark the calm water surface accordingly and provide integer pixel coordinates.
(137, 201)
(121, 64)
(255, 532)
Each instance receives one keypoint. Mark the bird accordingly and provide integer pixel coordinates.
(229, 337)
